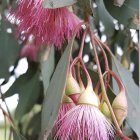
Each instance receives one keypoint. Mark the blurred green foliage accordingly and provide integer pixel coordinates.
(32, 86)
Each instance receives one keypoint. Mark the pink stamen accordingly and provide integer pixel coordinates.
(84, 122)
(48, 26)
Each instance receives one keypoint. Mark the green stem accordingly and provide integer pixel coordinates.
(5, 126)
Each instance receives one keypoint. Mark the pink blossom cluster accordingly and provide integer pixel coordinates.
(84, 122)
(48, 26)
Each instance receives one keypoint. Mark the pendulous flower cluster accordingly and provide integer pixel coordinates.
(48, 26)
(80, 117)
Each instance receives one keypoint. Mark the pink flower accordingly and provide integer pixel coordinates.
(84, 122)
(30, 51)
(48, 26)
(64, 108)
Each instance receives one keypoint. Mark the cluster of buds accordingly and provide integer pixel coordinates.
(90, 116)
(86, 117)
(84, 120)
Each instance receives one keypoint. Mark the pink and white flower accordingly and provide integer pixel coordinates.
(84, 122)
(48, 26)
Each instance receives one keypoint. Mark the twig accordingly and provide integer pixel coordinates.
(104, 90)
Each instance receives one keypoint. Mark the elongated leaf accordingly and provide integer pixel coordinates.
(124, 14)
(9, 48)
(58, 3)
(17, 136)
(105, 18)
(4, 3)
(47, 68)
(135, 60)
(29, 88)
(55, 91)
(85, 6)
(34, 127)
(132, 93)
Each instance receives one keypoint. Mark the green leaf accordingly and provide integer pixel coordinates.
(29, 93)
(34, 127)
(135, 60)
(132, 93)
(125, 13)
(104, 16)
(55, 91)
(17, 136)
(9, 48)
(57, 3)
(84, 6)
(47, 68)
(29, 88)
(5, 3)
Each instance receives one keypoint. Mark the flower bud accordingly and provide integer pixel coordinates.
(105, 110)
(66, 99)
(72, 88)
(82, 87)
(120, 107)
(89, 97)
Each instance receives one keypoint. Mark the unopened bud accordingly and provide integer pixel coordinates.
(72, 88)
(120, 107)
(105, 110)
(66, 99)
(89, 97)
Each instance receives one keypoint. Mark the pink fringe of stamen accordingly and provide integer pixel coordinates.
(84, 122)
(48, 26)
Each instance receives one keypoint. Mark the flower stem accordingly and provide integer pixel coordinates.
(105, 56)
(103, 44)
(82, 44)
(9, 118)
(107, 77)
(119, 82)
(104, 90)
(8, 115)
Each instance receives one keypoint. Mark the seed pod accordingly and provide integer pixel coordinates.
(120, 107)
